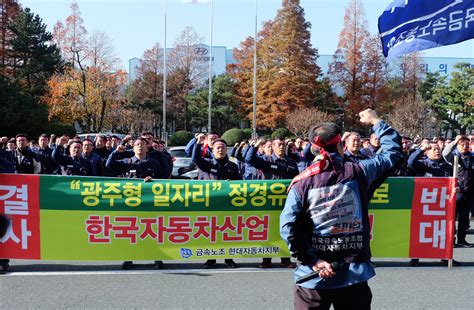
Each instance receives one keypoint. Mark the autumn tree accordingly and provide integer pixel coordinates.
(410, 75)
(86, 91)
(287, 73)
(289, 57)
(412, 118)
(347, 69)
(185, 74)
(71, 37)
(242, 73)
(376, 73)
(145, 93)
(299, 122)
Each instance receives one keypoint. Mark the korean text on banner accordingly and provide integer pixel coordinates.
(414, 25)
(432, 219)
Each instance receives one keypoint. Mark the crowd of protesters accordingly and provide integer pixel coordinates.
(279, 158)
(255, 159)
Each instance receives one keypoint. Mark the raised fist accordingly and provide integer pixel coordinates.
(369, 117)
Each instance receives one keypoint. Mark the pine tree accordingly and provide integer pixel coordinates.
(36, 59)
(453, 101)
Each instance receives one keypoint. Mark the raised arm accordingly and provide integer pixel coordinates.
(390, 154)
(58, 151)
(414, 163)
(449, 150)
(256, 161)
(189, 147)
(202, 164)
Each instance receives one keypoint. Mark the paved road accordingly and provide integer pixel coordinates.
(54, 285)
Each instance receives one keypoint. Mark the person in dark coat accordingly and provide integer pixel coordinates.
(217, 168)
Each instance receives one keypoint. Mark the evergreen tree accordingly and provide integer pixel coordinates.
(454, 101)
(36, 59)
(223, 112)
(19, 111)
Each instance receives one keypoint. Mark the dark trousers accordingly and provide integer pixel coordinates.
(353, 297)
(463, 207)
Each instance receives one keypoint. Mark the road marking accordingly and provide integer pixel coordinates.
(181, 271)
(138, 272)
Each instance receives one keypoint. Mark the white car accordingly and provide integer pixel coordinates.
(181, 164)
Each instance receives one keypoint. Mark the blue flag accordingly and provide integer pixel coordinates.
(414, 25)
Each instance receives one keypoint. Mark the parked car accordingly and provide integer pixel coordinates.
(181, 163)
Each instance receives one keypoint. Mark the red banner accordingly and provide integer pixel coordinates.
(19, 201)
(432, 218)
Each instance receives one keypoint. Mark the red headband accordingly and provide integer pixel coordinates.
(335, 140)
(219, 142)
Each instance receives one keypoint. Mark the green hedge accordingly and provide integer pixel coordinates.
(233, 136)
(180, 138)
(247, 133)
(281, 133)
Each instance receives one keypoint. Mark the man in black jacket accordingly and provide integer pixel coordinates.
(217, 168)
(140, 166)
(275, 167)
(465, 197)
(45, 153)
(74, 164)
(26, 161)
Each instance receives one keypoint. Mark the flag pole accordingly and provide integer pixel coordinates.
(210, 71)
(455, 176)
(254, 132)
(164, 136)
